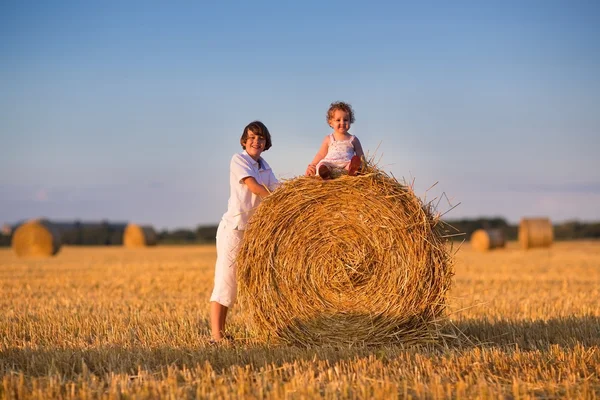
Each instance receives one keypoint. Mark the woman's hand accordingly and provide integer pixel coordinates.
(255, 187)
(311, 170)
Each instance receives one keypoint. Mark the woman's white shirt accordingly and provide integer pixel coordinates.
(242, 202)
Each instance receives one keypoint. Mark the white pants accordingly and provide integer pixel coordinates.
(228, 245)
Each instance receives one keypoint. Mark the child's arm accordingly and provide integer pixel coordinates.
(358, 147)
(255, 187)
(312, 167)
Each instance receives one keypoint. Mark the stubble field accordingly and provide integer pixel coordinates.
(125, 323)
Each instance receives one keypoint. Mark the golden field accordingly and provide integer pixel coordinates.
(133, 323)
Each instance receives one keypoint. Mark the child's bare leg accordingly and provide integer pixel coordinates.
(353, 166)
(324, 171)
(218, 315)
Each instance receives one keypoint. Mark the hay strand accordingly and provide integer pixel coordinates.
(487, 239)
(36, 238)
(344, 261)
(535, 232)
(139, 236)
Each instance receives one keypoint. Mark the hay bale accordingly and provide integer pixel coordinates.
(139, 236)
(36, 238)
(487, 239)
(353, 260)
(535, 232)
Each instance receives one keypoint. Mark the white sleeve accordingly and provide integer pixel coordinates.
(240, 168)
(273, 182)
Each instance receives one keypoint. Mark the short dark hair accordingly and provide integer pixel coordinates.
(340, 105)
(259, 129)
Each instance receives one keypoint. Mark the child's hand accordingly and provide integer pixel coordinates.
(311, 170)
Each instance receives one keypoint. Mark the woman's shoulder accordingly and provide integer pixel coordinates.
(237, 157)
(240, 158)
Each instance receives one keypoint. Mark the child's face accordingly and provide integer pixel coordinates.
(340, 122)
(254, 145)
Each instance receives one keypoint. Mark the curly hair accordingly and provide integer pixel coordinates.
(340, 105)
(259, 129)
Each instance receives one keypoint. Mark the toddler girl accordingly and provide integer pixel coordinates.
(339, 149)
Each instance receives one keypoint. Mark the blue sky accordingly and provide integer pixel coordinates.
(131, 111)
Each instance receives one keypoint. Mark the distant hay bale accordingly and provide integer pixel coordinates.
(36, 238)
(139, 236)
(535, 232)
(353, 260)
(487, 239)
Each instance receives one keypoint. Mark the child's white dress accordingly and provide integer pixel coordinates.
(339, 154)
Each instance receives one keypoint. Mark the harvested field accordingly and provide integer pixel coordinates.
(120, 322)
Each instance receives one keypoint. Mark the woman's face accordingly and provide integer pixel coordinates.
(254, 145)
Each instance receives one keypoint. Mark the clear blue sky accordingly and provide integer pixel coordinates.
(131, 111)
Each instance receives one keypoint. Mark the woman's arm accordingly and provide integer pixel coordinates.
(255, 187)
(358, 147)
(312, 167)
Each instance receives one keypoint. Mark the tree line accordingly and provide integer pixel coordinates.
(569, 230)
(107, 233)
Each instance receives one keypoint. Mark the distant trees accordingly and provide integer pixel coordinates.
(206, 234)
(563, 231)
(468, 226)
(107, 233)
(577, 230)
(4, 240)
(92, 234)
(178, 236)
(203, 234)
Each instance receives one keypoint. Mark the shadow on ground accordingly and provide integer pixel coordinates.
(459, 336)
(527, 335)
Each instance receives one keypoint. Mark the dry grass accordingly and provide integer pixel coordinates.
(118, 322)
(352, 260)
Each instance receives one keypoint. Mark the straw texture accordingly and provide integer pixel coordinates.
(139, 236)
(36, 238)
(535, 232)
(487, 239)
(353, 260)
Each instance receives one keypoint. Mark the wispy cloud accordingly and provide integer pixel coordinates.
(41, 195)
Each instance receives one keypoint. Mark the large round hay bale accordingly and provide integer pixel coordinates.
(139, 236)
(487, 239)
(353, 260)
(36, 238)
(535, 232)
